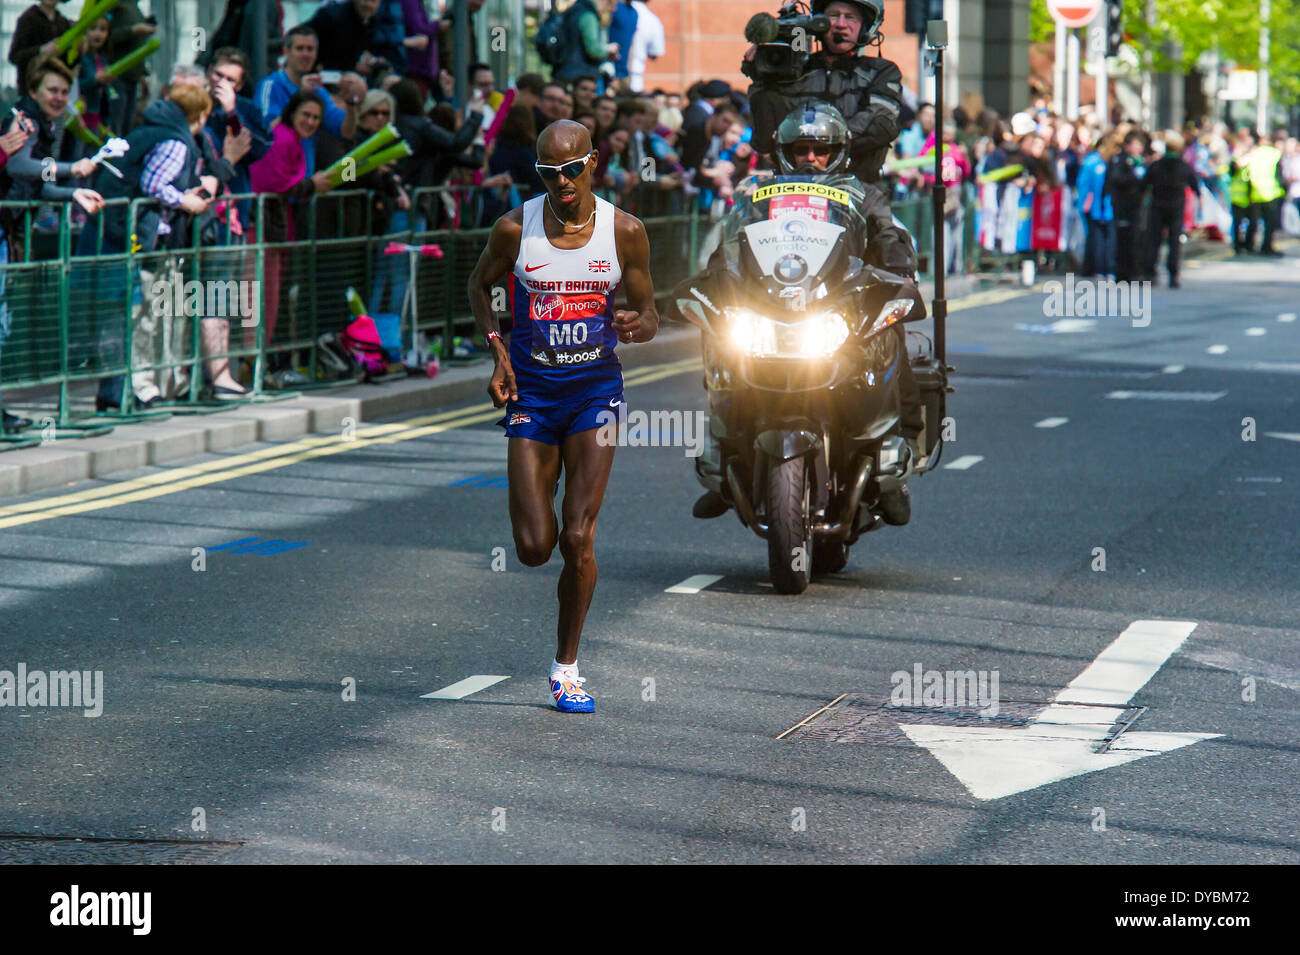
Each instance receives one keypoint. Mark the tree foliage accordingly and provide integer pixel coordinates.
(1184, 30)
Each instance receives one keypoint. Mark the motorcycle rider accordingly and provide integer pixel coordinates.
(814, 140)
(866, 90)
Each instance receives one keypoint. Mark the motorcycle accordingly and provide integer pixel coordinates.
(802, 343)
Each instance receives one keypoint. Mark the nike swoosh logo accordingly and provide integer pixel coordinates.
(534, 268)
(614, 402)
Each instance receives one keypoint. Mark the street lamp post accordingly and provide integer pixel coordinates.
(460, 47)
(936, 36)
(1261, 102)
(257, 10)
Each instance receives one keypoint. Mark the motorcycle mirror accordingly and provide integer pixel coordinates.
(692, 311)
(695, 298)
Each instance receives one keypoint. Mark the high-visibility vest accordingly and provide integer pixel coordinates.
(1239, 185)
(1262, 163)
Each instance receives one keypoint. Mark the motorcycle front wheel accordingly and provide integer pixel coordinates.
(789, 516)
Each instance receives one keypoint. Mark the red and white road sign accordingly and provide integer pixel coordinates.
(1074, 13)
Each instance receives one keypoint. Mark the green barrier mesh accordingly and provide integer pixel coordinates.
(80, 308)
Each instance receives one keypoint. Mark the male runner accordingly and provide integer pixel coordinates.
(568, 251)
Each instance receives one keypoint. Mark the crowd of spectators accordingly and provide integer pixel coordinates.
(352, 68)
(1127, 187)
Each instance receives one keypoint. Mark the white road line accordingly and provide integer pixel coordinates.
(465, 687)
(1216, 349)
(1236, 663)
(1172, 369)
(1050, 422)
(1284, 435)
(965, 462)
(1286, 317)
(1062, 326)
(1169, 395)
(1256, 331)
(694, 584)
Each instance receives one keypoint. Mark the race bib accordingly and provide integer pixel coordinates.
(567, 327)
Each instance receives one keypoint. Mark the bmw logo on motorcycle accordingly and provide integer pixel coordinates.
(790, 269)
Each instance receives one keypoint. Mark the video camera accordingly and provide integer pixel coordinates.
(784, 42)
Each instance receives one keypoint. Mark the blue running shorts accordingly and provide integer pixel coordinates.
(555, 422)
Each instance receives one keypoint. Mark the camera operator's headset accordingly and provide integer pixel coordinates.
(873, 13)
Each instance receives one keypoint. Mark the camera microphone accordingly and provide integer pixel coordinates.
(761, 28)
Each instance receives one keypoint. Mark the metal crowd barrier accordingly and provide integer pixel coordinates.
(83, 309)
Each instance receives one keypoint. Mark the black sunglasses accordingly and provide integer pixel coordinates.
(570, 170)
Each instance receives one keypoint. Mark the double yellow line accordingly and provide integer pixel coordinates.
(174, 480)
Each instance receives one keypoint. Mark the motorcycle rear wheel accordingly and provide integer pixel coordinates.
(789, 536)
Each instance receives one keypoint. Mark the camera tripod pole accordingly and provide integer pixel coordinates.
(936, 35)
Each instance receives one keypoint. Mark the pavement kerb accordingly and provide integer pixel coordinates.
(132, 446)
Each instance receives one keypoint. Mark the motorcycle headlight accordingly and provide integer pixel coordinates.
(816, 336)
(751, 333)
(822, 334)
(895, 310)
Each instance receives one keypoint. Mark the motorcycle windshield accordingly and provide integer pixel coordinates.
(794, 236)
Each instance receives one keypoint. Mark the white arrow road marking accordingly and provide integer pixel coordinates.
(694, 584)
(1286, 317)
(1127, 664)
(1284, 435)
(1256, 331)
(465, 687)
(965, 462)
(1062, 742)
(1172, 369)
(1217, 349)
(1051, 422)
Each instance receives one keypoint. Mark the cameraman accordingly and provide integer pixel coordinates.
(867, 90)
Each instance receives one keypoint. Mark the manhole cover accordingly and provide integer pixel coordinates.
(16, 849)
(862, 719)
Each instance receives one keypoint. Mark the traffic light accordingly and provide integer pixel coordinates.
(1114, 26)
(916, 13)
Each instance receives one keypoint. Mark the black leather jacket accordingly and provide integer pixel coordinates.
(867, 90)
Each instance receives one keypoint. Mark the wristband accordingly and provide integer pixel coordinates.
(493, 336)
